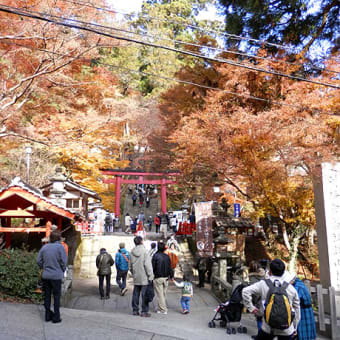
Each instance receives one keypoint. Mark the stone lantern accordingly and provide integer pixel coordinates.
(58, 185)
(221, 252)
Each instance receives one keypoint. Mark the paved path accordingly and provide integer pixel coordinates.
(90, 318)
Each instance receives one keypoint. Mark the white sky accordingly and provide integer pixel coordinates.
(128, 6)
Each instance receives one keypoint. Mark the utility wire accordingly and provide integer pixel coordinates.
(251, 56)
(233, 36)
(44, 17)
(106, 9)
(166, 78)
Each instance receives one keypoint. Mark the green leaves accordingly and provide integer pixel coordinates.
(19, 275)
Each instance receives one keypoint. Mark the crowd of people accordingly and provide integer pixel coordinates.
(151, 269)
(279, 300)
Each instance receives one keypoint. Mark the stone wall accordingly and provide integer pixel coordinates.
(89, 247)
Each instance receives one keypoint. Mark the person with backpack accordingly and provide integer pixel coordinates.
(104, 261)
(122, 266)
(282, 304)
(187, 293)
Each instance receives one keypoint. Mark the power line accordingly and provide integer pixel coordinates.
(233, 36)
(42, 16)
(167, 78)
(106, 9)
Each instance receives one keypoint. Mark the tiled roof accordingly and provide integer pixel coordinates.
(18, 182)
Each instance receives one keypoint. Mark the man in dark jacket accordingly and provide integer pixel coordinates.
(104, 261)
(122, 266)
(162, 270)
(52, 259)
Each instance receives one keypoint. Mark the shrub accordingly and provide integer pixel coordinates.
(19, 275)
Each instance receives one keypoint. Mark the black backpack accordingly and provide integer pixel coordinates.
(278, 311)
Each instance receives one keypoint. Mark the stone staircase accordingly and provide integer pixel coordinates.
(186, 259)
(134, 211)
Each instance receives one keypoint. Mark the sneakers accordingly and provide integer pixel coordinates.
(162, 312)
(135, 313)
(145, 315)
(123, 291)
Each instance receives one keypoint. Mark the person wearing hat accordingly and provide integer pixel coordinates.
(261, 288)
(122, 266)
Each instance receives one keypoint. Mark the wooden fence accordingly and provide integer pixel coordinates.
(321, 316)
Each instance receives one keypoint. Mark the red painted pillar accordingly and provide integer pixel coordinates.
(8, 235)
(117, 202)
(163, 195)
(59, 223)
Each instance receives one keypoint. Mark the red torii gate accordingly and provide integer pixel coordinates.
(162, 180)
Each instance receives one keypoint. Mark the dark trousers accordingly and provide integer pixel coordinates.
(101, 284)
(52, 287)
(121, 278)
(157, 228)
(137, 291)
(201, 277)
(265, 336)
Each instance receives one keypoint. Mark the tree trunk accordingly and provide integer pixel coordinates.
(285, 238)
(293, 252)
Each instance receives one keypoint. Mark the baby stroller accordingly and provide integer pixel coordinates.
(230, 311)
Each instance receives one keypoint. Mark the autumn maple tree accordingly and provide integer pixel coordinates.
(269, 150)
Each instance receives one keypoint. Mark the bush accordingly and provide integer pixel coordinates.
(19, 275)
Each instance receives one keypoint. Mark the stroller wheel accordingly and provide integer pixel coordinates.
(233, 330)
(228, 330)
(239, 330)
(244, 330)
(211, 324)
(222, 324)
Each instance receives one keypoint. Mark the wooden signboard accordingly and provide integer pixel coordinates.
(204, 238)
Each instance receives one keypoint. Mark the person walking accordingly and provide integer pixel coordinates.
(122, 266)
(147, 201)
(134, 199)
(133, 225)
(157, 222)
(257, 273)
(153, 249)
(141, 199)
(52, 259)
(141, 269)
(108, 222)
(149, 223)
(201, 266)
(187, 293)
(306, 328)
(173, 224)
(164, 225)
(161, 265)
(128, 221)
(141, 217)
(104, 261)
(172, 253)
(285, 304)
